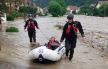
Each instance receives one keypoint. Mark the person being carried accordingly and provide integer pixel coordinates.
(53, 44)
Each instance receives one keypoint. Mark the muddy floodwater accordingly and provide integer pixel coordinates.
(14, 47)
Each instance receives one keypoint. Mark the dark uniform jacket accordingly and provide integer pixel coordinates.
(75, 26)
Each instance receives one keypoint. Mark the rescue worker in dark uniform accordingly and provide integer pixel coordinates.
(70, 30)
(31, 26)
(0, 23)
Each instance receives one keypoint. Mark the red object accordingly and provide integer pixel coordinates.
(70, 27)
(31, 25)
(75, 28)
(49, 44)
(51, 41)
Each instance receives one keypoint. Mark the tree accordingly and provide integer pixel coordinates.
(61, 2)
(28, 9)
(79, 2)
(13, 2)
(95, 12)
(86, 10)
(103, 10)
(3, 7)
(63, 6)
(44, 3)
(55, 8)
(17, 2)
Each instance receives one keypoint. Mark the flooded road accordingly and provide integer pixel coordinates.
(15, 46)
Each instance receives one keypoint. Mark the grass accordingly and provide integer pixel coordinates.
(12, 29)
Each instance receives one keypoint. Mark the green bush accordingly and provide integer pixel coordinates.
(20, 14)
(103, 10)
(12, 29)
(55, 8)
(28, 9)
(63, 6)
(86, 10)
(23, 9)
(14, 14)
(95, 12)
(63, 9)
(10, 18)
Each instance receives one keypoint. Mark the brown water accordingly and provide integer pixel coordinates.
(15, 48)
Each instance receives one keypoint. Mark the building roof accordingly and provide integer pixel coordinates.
(99, 3)
(25, 1)
(72, 8)
(102, 2)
